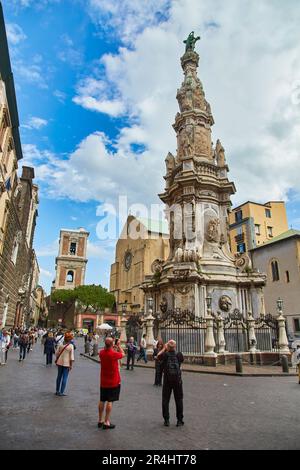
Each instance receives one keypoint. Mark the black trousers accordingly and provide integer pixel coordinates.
(178, 395)
(23, 349)
(158, 372)
(49, 356)
(130, 358)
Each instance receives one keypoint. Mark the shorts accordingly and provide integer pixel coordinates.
(110, 394)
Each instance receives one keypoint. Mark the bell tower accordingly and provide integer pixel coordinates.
(72, 259)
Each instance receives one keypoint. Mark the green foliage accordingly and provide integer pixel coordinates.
(94, 296)
(63, 295)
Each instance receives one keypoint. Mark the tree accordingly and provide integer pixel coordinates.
(93, 296)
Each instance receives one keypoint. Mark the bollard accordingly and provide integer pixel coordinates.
(87, 348)
(95, 349)
(285, 364)
(238, 364)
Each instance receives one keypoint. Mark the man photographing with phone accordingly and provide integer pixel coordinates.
(110, 380)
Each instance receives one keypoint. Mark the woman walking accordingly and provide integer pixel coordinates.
(49, 348)
(64, 362)
(158, 364)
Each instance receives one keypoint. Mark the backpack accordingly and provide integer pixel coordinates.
(172, 368)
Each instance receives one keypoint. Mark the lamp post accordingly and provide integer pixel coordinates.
(61, 321)
(123, 336)
(279, 305)
(208, 304)
(150, 306)
(149, 326)
(124, 309)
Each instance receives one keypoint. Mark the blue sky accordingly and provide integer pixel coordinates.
(96, 83)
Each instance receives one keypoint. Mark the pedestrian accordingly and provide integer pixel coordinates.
(30, 341)
(4, 347)
(16, 339)
(131, 351)
(110, 380)
(143, 349)
(23, 343)
(297, 354)
(171, 362)
(158, 364)
(64, 362)
(59, 338)
(49, 348)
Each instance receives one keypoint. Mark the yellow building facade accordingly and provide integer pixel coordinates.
(141, 242)
(252, 224)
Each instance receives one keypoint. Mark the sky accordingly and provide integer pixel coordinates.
(96, 84)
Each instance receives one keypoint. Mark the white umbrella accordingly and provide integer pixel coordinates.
(105, 326)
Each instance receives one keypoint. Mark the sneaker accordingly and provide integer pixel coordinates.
(179, 423)
(108, 426)
(100, 425)
(167, 423)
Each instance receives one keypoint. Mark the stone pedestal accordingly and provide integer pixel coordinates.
(149, 328)
(283, 341)
(210, 343)
(123, 336)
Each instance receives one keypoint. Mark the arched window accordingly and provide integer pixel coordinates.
(275, 271)
(70, 276)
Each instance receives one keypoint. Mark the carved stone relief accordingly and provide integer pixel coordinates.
(225, 303)
(212, 230)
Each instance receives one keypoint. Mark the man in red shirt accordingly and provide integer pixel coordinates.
(110, 380)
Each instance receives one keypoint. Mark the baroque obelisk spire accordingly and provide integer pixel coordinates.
(197, 202)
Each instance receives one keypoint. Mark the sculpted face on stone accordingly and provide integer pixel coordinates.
(225, 303)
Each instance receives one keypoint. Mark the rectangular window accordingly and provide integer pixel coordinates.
(239, 216)
(257, 229)
(287, 276)
(297, 324)
(239, 230)
(268, 213)
(270, 231)
(241, 248)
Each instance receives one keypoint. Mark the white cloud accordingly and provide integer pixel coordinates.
(128, 18)
(35, 123)
(94, 94)
(69, 53)
(46, 273)
(31, 73)
(249, 60)
(60, 95)
(100, 250)
(15, 33)
(50, 249)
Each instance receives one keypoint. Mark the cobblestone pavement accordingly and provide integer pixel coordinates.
(220, 412)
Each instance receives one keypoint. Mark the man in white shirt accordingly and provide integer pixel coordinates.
(143, 349)
(4, 346)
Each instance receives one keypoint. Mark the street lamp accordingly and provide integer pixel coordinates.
(208, 304)
(279, 305)
(124, 309)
